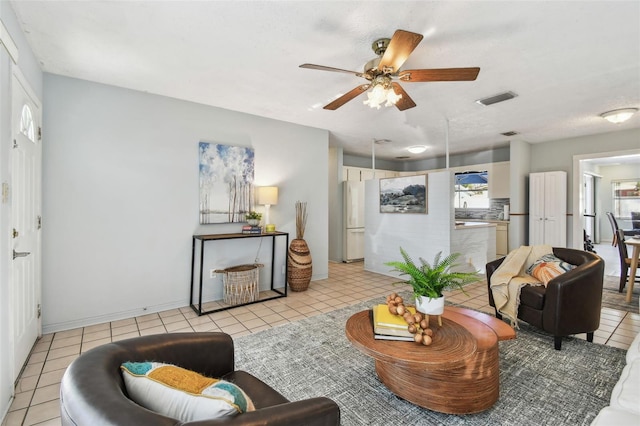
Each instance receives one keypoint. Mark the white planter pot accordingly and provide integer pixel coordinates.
(430, 306)
(253, 222)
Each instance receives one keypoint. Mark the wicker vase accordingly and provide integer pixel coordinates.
(299, 267)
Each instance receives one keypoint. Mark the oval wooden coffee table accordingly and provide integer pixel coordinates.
(457, 374)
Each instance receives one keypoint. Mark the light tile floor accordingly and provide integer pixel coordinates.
(37, 392)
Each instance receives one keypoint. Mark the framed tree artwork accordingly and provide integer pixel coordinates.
(226, 182)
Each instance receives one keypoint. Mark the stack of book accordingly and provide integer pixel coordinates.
(249, 229)
(387, 326)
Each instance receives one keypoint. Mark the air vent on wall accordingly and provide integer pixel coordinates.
(497, 98)
(510, 133)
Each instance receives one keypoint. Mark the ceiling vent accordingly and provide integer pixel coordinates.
(497, 98)
(510, 133)
(402, 157)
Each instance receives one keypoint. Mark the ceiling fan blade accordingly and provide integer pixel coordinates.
(400, 47)
(347, 97)
(442, 74)
(405, 102)
(324, 68)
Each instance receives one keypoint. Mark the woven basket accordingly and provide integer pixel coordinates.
(299, 266)
(241, 283)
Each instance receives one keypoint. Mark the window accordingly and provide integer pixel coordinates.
(472, 190)
(626, 198)
(26, 124)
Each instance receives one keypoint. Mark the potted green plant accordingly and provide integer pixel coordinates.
(428, 281)
(253, 218)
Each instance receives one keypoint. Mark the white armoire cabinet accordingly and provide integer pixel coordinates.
(548, 208)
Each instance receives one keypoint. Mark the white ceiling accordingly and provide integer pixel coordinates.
(567, 61)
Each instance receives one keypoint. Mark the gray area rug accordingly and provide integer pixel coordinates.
(538, 385)
(613, 299)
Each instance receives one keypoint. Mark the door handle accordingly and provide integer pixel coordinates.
(20, 254)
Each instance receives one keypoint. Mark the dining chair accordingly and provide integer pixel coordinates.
(615, 227)
(635, 220)
(625, 261)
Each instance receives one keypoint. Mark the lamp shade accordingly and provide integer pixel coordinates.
(268, 195)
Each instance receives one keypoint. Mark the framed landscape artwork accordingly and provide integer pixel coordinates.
(406, 194)
(226, 182)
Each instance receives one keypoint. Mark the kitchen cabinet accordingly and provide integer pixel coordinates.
(548, 208)
(361, 174)
(499, 180)
(502, 239)
(351, 174)
(367, 174)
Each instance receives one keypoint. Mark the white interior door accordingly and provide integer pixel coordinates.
(26, 218)
(555, 212)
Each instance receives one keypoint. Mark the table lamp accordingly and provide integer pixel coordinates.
(267, 196)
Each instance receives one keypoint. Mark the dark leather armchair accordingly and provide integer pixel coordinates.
(571, 302)
(92, 391)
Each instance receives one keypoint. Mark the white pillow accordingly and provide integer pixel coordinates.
(182, 394)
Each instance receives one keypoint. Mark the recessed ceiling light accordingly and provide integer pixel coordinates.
(417, 149)
(619, 115)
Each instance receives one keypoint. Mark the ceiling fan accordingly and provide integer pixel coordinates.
(383, 70)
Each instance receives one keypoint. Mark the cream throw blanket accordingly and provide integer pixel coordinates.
(511, 275)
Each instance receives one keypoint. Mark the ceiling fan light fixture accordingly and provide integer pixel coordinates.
(382, 93)
(619, 115)
(417, 149)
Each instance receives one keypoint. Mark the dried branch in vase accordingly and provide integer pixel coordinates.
(301, 219)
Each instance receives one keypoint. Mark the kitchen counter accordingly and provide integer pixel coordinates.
(462, 219)
(502, 231)
(473, 224)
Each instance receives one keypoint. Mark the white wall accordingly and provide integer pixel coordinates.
(336, 204)
(520, 153)
(121, 196)
(424, 235)
(419, 235)
(559, 155)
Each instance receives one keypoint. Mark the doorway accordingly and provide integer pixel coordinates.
(26, 196)
(582, 164)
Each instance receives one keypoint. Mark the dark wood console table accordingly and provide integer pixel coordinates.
(220, 237)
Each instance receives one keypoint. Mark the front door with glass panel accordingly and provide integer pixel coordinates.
(26, 219)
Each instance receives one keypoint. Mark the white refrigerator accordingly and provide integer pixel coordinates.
(353, 240)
